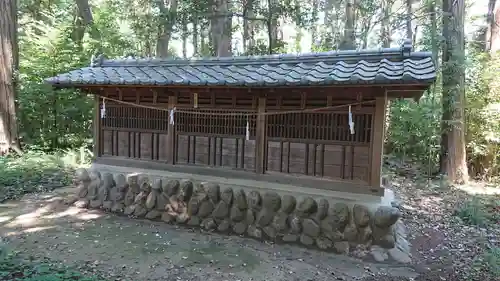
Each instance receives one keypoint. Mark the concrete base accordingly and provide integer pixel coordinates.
(370, 201)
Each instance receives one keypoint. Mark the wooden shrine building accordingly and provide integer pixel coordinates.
(279, 118)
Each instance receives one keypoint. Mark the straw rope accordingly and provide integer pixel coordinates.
(238, 113)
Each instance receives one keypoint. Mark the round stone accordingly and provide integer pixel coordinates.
(310, 228)
(341, 247)
(288, 204)
(206, 208)
(361, 215)
(254, 200)
(240, 199)
(227, 196)
(290, 238)
(271, 201)
(237, 214)
(386, 216)
(82, 174)
(323, 243)
(239, 228)
(306, 239)
(307, 206)
(221, 210)
(399, 256)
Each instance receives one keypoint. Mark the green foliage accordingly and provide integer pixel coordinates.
(414, 131)
(15, 268)
(480, 211)
(36, 171)
(483, 115)
(492, 259)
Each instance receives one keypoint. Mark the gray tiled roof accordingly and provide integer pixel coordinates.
(380, 66)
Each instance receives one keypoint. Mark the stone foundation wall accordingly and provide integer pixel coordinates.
(337, 227)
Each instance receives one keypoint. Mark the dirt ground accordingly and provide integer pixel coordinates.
(40, 225)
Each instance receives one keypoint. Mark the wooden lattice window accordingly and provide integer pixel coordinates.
(215, 125)
(129, 117)
(329, 126)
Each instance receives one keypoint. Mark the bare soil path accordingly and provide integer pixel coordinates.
(40, 225)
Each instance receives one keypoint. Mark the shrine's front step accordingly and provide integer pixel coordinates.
(278, 213)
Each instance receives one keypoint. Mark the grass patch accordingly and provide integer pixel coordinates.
(37, 171)
(480, 211)
(492, 259)
(15, 268)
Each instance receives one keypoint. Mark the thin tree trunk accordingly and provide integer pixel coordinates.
(454, 160)
(185, 34)
(195, 36)
(9, 66)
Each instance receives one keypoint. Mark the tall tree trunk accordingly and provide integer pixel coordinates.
(248, 25)
(454, 163)
(385, 34)
(493, 33)
(409, 12)
(314, 28)
(220, 28)
(298, 28)
(85, 21)
(328, 24)
(168, 18)
(349, 40)
(9, 66)
(272, 24)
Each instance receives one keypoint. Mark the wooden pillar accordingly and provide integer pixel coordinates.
(261, 138)
(171, 145)
(97, 127)
(377, 143)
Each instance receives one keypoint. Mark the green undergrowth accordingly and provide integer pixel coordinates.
(37, 171)
(488, 262)
(480, 211)
(18, 269)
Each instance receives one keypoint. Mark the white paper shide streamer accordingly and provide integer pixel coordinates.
(171, 118)
(351, 123)
(103, 108)
(248, 130)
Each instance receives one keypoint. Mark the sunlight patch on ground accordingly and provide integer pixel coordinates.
(37, 229)
(479, 188)
(68, 212)
(29, 230)
(88, 216)
(5, 219)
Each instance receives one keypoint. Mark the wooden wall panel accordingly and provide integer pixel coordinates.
(216, 151)
(145, 146)
(249, 154)
(123, 144)
(331, 161)
(163, 147)
(107, 148)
